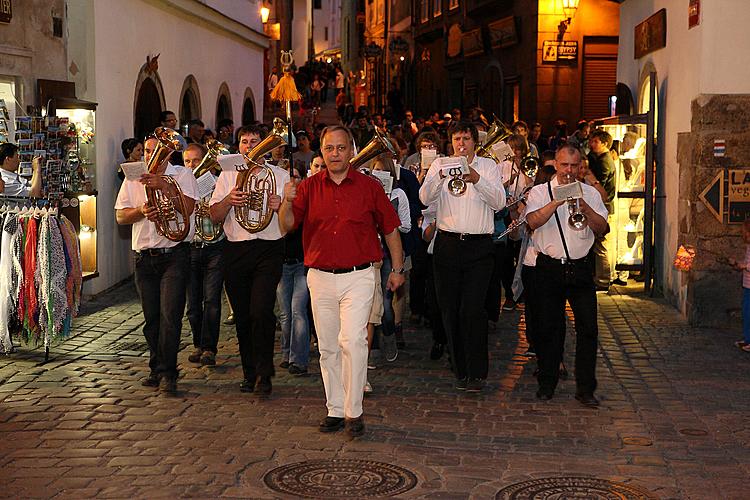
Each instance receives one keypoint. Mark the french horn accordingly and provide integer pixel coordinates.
(498, 132)
(204, 228)
(173, 220)
(259, 181)
(378, 145)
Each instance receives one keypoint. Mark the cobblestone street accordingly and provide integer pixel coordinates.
(673, 419)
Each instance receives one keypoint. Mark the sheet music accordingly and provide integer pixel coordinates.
(453, 165)
(206, 185)
(501, 150)
(427, 156)
(231, 162)
(385, 179)
(133, 170)
(565, 191)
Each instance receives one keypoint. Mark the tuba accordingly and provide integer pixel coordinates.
(254, 216)
(378, 145)
(174, 220)
(498, 132)
(204, 228)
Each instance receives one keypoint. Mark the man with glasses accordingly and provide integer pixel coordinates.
(342, 211)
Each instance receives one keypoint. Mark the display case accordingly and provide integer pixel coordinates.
(632, 223)
(79, 199)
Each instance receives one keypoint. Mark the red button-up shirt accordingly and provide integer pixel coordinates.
(341, 222)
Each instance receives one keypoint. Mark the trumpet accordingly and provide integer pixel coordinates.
(457, 185)
(577, 220)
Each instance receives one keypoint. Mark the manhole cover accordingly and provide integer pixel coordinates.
(590, 488)
(693, 432)
(637, 441)
(340, 479)
(126, 346)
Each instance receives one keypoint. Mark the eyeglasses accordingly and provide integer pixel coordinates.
(427, 145)
(340, 148)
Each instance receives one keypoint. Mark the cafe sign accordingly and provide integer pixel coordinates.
(554, 51)
(6, 11)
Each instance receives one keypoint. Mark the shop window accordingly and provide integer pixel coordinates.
(452, 4)
(437, 8)
(424, 9)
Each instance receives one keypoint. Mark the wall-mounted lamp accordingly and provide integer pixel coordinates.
(569, 11)
(264, 13)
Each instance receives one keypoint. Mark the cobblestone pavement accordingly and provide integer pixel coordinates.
(673, 420)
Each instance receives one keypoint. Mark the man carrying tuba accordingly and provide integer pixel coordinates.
(252, 260)
(206, 262)
(161, 264)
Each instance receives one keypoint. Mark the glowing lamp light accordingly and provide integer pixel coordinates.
(402, 58)
(264, 13)
(569, 8)
(329, 60)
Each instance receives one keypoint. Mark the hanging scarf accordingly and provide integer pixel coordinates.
(6, 271)
(75, 273)
(29, 293)
(18, 242)
(50, 279)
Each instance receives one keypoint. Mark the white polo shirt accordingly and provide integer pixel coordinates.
(15, 185)
(232, 229)
(133, 195)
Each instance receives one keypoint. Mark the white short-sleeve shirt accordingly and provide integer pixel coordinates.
(15, 185)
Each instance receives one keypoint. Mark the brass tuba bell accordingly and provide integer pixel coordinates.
(498, 132)
(259, 181)
(204, 228)
(378, 145)
(174, 219)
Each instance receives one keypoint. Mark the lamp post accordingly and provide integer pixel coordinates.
(569, 11)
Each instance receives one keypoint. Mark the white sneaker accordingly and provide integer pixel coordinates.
(368, 387)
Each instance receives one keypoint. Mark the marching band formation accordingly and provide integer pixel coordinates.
(337, 232)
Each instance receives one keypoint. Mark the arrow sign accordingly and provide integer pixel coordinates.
(713, 197)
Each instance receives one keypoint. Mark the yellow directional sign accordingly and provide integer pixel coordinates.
(739, 196)
(713, 196)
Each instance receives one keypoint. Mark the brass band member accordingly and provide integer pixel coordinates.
(161, 267)
(563, 272)
(252, 270)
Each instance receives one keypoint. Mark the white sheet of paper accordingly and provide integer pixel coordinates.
(427, 156)
(565, 191)
(206, 184)
(231, 163)
(133, 170)
(385, 179)
(501, 150)
(453, 165)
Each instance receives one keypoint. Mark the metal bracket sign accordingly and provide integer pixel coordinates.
(739, 196)
(713, 197)
(553, 51)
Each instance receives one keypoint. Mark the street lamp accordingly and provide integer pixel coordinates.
(569, 11)
(264, 13)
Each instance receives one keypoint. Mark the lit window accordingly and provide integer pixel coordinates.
(437, 8)
(425, 10)
(453, 4)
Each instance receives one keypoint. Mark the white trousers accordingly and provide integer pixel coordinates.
(341, 307)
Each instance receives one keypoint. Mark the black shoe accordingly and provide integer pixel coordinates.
(151, 381)
(587, 400)
(355, 427)
(246, 386)
(461, 384)
(331, 424)
(168, 384)
(544, 394)
(509, 305)
(297, 371)
(619, 282)
(195, 356)
(437, 351)
(284, 365)
(264, 386)
(475, 385)
(530, 352)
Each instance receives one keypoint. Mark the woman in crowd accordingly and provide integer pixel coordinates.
(132, 150)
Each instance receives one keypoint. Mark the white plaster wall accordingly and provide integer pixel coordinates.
(710, 58)
(300, 30)
(125, 33)
(328, 16)
(245, 11)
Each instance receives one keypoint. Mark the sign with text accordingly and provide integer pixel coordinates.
(739, 196)
(6, 11)
(651, 34)
(554, 51)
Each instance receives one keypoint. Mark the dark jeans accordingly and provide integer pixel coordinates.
(495, 288)
(293, 297)
(252, 270)
(433, 308)
(462, 275)
(161, 281)
(204, 295)
(418, 278)
(552, 287)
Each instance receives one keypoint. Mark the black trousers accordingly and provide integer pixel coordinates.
(554, 284)
(417, 279)
(432, 309)
(161, 281)
(462, 275)
(252, 270)
(495, 288)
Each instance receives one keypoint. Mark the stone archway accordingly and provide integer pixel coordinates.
(148, 102)
(491, 90)
(223, 104)
(190, 101)
(248, 107)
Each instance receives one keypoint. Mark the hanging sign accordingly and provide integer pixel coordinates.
(651, 34)
(6, 11)
(554, 51)
(713, 197)
(739, 196)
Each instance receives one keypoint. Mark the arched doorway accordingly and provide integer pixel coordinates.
(148, 103)
(223, 104)
(190, 101)
(248, 107)
(491, 92)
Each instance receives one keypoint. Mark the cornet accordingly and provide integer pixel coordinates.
(577, 220)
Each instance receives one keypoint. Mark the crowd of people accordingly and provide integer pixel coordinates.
(341, 243)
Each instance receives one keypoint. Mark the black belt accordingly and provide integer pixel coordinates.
(160, 251)
(465, 236)
(204, 244)
(345, 270)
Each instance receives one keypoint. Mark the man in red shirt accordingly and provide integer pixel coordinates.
(341, 212)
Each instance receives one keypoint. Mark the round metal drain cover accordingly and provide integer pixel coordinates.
(693, 432)
(340, 478)
(590, 488)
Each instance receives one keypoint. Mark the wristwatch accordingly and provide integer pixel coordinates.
(398, 271)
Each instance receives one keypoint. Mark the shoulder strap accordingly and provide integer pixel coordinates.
(559, 226)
